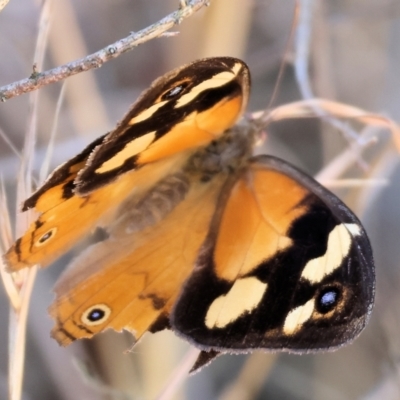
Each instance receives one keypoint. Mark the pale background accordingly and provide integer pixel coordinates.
(355, 59)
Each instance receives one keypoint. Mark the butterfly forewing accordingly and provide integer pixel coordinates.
(185, 109)
(56, 201)
(285, 266)
(59, 186)
(182, 111)
(57, 229)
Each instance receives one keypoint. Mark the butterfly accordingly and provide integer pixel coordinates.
(232, 252)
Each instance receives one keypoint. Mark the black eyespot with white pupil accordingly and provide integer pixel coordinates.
(328, 299)
(175, 91)
(46, 236)
(96, 315)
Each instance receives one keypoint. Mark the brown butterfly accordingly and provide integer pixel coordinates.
(230, 251)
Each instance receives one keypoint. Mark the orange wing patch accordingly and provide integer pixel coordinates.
(198, 129)
(255, 221)
(132, 292)
(56, 194)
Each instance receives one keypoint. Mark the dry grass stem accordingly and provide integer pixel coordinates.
(302, 67)
(179, 374)
(44, 169)
(302, 54)
(306, 109)
(24, 280)
(6, 239)
(248, 383)
(347, 158)
(9, 143)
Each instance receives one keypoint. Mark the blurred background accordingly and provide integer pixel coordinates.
(354, 58)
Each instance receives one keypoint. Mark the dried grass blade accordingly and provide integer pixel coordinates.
(25, 279)
(179, 375)
(44, 169)
(306, 109)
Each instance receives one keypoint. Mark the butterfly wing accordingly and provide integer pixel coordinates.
(286, 266)
(186, 108)
(56, 201)
(131, 280)
(67, 217)
(181, 111)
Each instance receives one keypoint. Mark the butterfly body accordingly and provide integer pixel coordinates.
(230, 251)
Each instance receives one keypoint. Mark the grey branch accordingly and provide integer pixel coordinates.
(97, 59)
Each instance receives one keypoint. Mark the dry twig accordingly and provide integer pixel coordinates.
(97, 59)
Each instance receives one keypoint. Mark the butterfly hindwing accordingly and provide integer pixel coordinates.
(131, 280)
(286, 266)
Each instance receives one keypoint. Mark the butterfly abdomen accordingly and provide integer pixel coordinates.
(135, 214)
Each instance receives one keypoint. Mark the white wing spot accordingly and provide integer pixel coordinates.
(147, 113)
(296, 318)
(216, 81)
(131, 149)
(237, 68)
(244, 296)
(339, 243)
